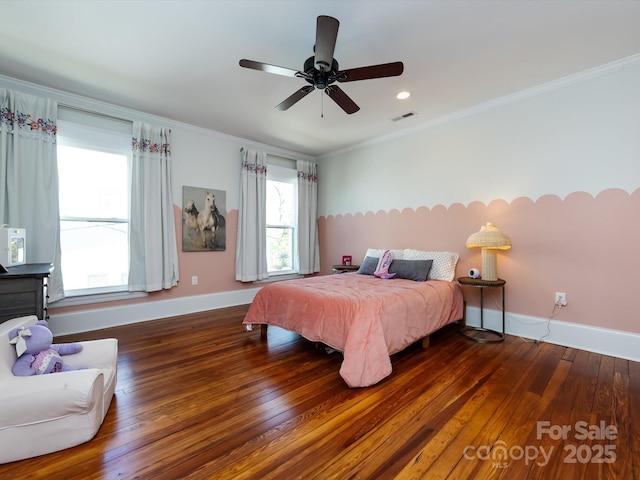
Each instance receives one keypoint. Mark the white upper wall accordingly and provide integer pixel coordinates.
(582, 135)
(205, 161)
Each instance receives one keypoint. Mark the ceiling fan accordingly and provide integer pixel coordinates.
(322, 71)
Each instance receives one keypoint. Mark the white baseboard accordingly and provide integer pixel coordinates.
(87, 320)
(593, 339)
(614, 343)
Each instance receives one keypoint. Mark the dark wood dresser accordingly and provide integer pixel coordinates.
(23, 291)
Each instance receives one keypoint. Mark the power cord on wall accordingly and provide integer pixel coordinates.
(556, 309)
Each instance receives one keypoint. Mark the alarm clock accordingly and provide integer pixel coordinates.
(474, 273)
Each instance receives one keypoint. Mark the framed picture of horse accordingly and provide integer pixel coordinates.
(203, 219)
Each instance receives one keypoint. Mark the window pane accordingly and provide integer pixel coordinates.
(93, 184)
(279, 249)
(94, 218)
(282, 218)
(94, 254)
(281, 201)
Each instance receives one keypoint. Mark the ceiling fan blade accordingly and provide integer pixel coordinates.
(374, 71)
(297, 96)
(265, 67)
(342, 99)
(326, 36)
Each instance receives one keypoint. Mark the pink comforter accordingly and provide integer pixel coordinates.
(365, 317)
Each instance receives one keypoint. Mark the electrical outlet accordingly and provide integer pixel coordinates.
(194, 280)
(561, 299)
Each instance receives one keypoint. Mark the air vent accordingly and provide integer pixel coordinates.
(402, 117)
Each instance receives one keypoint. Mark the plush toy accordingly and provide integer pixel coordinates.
(382, 270)
(36, 355)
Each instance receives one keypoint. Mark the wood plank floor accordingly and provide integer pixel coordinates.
(200, 398)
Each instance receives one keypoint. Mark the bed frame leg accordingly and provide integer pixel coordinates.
(425, 342)
(263, 330)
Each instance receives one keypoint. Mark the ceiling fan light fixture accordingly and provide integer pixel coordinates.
(321, 70)
(403, 95)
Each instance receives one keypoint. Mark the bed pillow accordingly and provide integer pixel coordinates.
(369, 265)
(377, 252)
(444, 263)
(416, 270)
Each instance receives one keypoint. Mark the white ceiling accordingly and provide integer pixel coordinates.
(179, 59)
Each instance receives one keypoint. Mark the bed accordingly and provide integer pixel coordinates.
(366, 318)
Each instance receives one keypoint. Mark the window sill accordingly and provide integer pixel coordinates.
(278, 278)
(89, 298)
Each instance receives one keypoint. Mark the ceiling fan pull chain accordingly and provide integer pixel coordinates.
(321, 106)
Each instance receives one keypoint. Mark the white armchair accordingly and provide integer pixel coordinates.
(45, 413)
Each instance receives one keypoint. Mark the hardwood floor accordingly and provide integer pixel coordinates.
(198, 397)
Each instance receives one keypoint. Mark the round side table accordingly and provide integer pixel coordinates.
(494, 335)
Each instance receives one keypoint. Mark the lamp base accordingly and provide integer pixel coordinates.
(489, 264)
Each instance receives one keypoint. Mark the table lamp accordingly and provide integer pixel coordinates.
(490, 239)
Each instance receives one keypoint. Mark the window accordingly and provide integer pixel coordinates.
(93, 169)
(282, 218)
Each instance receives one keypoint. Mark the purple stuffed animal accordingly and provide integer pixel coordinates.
(36, 355)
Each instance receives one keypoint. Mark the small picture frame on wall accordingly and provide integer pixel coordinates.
(346, 260)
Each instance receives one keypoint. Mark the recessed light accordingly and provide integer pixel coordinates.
(403, 95)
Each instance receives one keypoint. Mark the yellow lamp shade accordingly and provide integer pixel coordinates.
(490, 239)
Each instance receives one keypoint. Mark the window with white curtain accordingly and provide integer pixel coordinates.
(282, 217)
(93, 167)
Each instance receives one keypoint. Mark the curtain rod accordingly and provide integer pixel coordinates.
(91, 112)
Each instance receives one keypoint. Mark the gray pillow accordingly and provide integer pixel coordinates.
(417, 270)
(369, 265)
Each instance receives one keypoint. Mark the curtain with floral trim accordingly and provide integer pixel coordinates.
(153, 263)
(29, 178)
(308, 249)
(251, 244)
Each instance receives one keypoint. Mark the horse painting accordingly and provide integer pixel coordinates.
(203, 223)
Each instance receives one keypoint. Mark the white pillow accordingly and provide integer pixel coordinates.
(444, 263)
(377, 253)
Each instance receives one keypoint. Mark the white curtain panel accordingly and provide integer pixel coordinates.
(153, 263)
(29, 178)
(251, 248)
(308, 250)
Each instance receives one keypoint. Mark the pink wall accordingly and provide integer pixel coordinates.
(584, 246)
